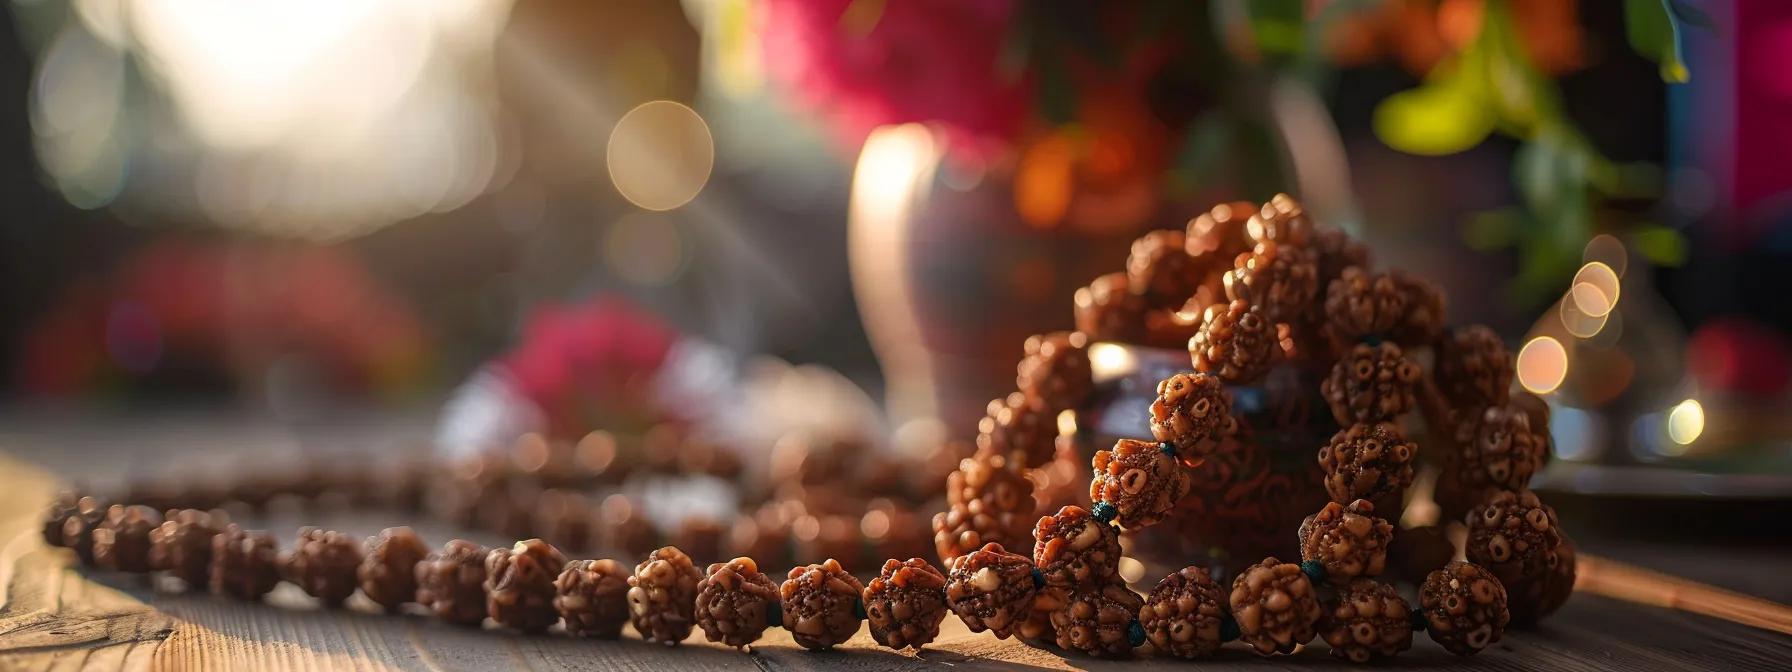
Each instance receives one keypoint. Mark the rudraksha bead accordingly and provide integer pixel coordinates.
(1161, 270)
(1054, 373)
(1107, 310)
(1517, 538)
(1371, 383)
(121, 542)
(905, 603)
(451, 582)
(1369, 461)
(1359, 304)
(1281, 220)
(592, 598)
(1279, 278)
(662, 596)
(821, 604)
(1095, 617)
(519, 585)
(1275, 606)
(1182, 615)
(60, 509)
(1073, 548)
(1349, 541)
(1416, 551)
(1193, 412)
(1141, 480)
(1237, 342)
(1365, 621)
(1219, 234)
(1019, 429)
(988, 501)
(1336, 251)
(245, 564)
(388, 571)
(323, 564)
(1473, 367)
(991, 589)
(1496, 448)
(733, 600)
(1424, 319)
(182, 544)
(1464, 607)
(77, 529)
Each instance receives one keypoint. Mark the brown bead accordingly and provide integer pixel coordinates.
(1336, 251)
(988, 500)
(1473, 369)
(991, 589)
(1350, 541)
(905, 603)
(1161, 270)
(1496, 448)
(1371, 461)
(519, 585)
(323, 563)
(1054, 373)
(1140, 479)
(245, 564)
(388, 571)
(182, 544)
(77, 528)
(1072, 548)
(121, 542)
(1275, 606)
(591, 596)
(1093, 618)
(1359, 304)
(1464, 607)
(1367, 620)
(57, 513)
(821, 604)
(451, 582)
(662, 595)
(1193, 412)
(1517, 538)
(1022, 430)
(1282, 220)
(733, 600)
(1219, 234)
(1108, 310)
(1182, 615)
(1550, 593)
(1417, 551)
(1237, 342)
(1424, 320)
(1282, 279)
(1371, 383)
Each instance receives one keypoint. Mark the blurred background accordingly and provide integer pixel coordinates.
(498, 216)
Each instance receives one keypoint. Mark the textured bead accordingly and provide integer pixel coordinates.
(1349, 541)
(1282, 220)
(388, 572)
(591, 597)
(1425, 314)
(1518, 539)
(1054, 372)
(323, 564)
(1108, 310)
(1366, 620)
(121, 541)
(1093, 618)
(1022, 430)
(1141, 481)
(1218, 235)
(821, 604)
(1473, 368)
(905, 603)
(733, 601)
(1072, 548)
(991, 589)
(1369, 461)
(1497, 448)
(1281, 279)
(77, 528)
(182, 544)
(988, 501)
(1161, 270)
(1182, 615)
(1275, 606)
(451, 582)
(1359, 304)
(1193, 412)
(1371, 383)
(1336, 251)
(662, 596)
(245, 564)
(1464, 607)
(519, 585)
(1237, 343)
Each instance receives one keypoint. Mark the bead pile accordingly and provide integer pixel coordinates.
(1269, 284)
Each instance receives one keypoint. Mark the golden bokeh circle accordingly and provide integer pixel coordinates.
(660, 155)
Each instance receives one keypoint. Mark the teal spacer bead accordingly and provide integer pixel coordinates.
(1228, 628)
(1372, 340)
(1104, 512)
(1419, 622)
(1038, 578)
(1166, 448)
(774, 613)
(858, 609)
(1314, 569)
(1135, 634)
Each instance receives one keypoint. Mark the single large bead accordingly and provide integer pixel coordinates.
(1108, 310)
(1193, 412)
(1093, 618)
(1275, 606)
(733, 600)
(182, 544)
(991, 589)
(1279, 278)
(245, 564)
(1182, 615)
(592, 598)
(1161, 270)
(121, 542)
(388, 572)
(821, 604)
(1359, 304)
(662, 596)
(988, 501)
(1517, 538)
(323, 564)
(1369, 461)
(1366, 620)
(1371, 383)
(1349, 541)
(1237, 342)
(1464, 607)
(1020, 429)
(519, 585)
(905, 603)
(1473, 367)
(1072, 548)
(451, 582)
(1054, 373)
(1140, 480)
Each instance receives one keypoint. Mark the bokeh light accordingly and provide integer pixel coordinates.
(1542, 365)
(1686, 422)
(1595, 289)
(645, 248)
(660, 155)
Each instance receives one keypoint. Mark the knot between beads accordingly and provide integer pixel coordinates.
(774, 613)
(1104, 512)
(1135, 633)
(1228, 628)
(1166, 448)
(1419, 623)
(1038, 578)
(1314, 569)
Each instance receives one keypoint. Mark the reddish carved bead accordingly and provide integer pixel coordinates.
(906, 603)
(451, 582)
(388, 573)
(821, 605)
(1372, 383)
(1280, 278)
(987, 501)
(1054, 373)
(1161, 270)
(121, 542)
(1367, 461)
(1473, 367)
(1219, 234)
(323, 563)
(1464, 607)
(182, 544)
(1072, 548)
(1108, 310)
(1093, 618)
(519, 585)
(1359, 304)
(1367, 620)
(1275, 606)
(1517, 537)
(1141, 481)
(991, 589)
(1349, 541)
(1020, 429)
(733, 601)
(1182, 615)
(1193, 412)
(1237, 342)
(662, 596)
(1497, 448)
(592, 598)
(245, 564)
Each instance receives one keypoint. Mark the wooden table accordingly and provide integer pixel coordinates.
(54, 616)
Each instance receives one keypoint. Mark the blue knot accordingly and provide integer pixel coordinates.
(1314, 569)
(1372, 340)
(774, 613)
(1419, 622)
(1038, 578)
(858, 609)
(1228, 628)
(1135, 634)
(1104, 512)
(1167, 448)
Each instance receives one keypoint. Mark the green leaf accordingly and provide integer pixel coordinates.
(1654, 31)
(1661, 245)
(1433, 120)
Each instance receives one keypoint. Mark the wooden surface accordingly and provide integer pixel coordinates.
(56, 617)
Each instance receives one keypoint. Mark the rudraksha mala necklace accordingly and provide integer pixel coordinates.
(1268, 282)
